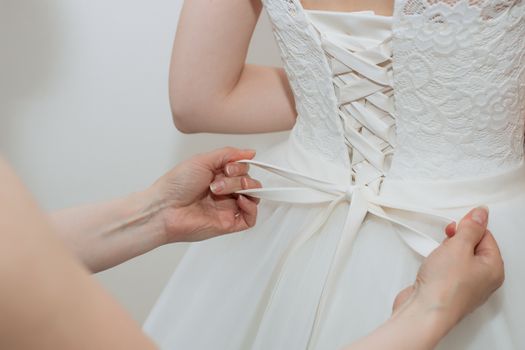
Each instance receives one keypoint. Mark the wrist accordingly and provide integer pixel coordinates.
(145, 209)
(428, 322)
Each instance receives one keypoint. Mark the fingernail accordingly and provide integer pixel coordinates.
(217, 187)
(230, 169)
(480, 215)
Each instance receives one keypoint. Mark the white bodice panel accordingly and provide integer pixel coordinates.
(459, 77)
(359, 52)
(316, 129)
(458, 86)
(448, 75)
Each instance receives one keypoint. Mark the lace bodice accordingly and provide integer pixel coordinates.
(458, 86)
(310, 79)
(358, 49)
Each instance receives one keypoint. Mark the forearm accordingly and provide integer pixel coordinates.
(415, 327)
(107, 234)
(48, 300)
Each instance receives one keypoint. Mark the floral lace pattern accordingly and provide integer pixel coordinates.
(459, 86)
(317, 127)
(459, 83)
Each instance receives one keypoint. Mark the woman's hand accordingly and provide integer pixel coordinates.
(454, 280)
(179, 207)
(460, 275)
(197, 197)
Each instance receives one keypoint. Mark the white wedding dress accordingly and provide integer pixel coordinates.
(404, 123)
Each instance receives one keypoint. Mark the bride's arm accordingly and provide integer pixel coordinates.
(211, 87)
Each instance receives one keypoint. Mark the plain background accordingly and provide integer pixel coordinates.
(84, 112)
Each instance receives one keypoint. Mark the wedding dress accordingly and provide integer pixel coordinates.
(404, 123)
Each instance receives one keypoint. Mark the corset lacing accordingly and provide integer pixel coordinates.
(362, 78)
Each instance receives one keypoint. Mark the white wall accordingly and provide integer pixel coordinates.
(84, 112)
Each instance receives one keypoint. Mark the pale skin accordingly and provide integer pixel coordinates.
(49, 301)
(212, 89)
(177, 208)
(452, 282)
(242, 98)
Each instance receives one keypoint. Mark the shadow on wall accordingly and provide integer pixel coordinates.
(28, 57)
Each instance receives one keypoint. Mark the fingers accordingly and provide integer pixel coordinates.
(217, 160)
(472, 227)
(488, 250)
(450, 230)
(241, 170)
(488, 246)
(229, 185)
(236, 169)
(249, 210)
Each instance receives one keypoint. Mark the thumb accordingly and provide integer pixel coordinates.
(488, 246)
(472, 227)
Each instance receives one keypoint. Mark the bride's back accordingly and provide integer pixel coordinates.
(458, 81)
(317, 276)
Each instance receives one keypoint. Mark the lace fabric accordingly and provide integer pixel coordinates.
(459, 75)
(310, 79)
(489, 8)
(459, 86)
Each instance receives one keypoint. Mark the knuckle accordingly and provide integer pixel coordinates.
(464, 243)
(470, 229)
(233, 183)
(244, 182)
(498, 279)
(469, 235)
(501, 275)
(469, 225)
(497, 275)
(501, 280)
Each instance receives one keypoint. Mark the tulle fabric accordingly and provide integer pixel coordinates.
(252, 291)
(218, 296)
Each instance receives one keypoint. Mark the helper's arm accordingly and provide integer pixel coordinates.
(47, 299)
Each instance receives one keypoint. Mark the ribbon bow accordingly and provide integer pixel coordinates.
(362, 200)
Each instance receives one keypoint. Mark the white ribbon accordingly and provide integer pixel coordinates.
(361, 201)
(317, 191)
